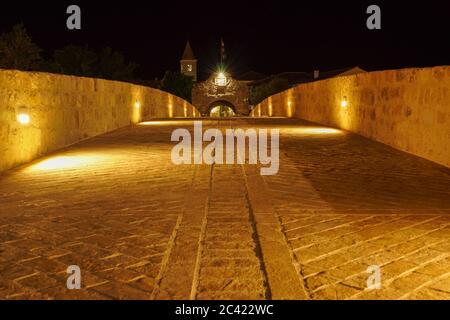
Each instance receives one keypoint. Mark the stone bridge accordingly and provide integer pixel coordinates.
(368, 186)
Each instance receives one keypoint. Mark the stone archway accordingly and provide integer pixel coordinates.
(221, 108)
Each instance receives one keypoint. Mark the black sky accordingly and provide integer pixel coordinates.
(264, 36)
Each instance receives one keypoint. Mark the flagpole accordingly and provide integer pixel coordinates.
(221, 50)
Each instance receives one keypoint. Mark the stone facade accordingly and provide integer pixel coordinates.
(234, 94)
(65, 109)
(407, 109)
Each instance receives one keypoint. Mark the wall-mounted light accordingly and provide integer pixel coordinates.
(22, 116)
(344, 102)
(220, 80)
(137, 105)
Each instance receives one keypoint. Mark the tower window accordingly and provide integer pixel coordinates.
(189, 67)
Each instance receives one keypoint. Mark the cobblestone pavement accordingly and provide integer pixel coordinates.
(140, 227)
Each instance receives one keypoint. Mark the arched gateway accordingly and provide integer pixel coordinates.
(231, 95)
(221, 108)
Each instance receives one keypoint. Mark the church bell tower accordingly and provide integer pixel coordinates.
(188, 63)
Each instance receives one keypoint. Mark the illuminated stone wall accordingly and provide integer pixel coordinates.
(66, 109)
(408, 109)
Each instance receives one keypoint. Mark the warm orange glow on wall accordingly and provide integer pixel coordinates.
(269, 108)
(136, 112)
(170, 106)
(289, 110)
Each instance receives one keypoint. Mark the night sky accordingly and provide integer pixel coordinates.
(264, 36)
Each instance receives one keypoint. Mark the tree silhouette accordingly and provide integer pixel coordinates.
(259, 92)
(178, 84)
(18, 51)
(112, 65)
(83, 61)
(75, 60)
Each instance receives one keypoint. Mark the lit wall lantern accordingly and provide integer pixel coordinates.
(220, 80)
(344, 102)
(137, 105)
(22, 116)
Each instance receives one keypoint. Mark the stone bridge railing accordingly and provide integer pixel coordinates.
(408, 109)
(62, 110)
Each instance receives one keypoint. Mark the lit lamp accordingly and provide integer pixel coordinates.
(137, 105)
(344, 102)
(220, 80)
(23, 117)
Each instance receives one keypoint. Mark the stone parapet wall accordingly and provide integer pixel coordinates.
(408, 109)
(66, 109)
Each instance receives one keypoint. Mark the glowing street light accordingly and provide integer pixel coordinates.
(221, 79)
(22, 116)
